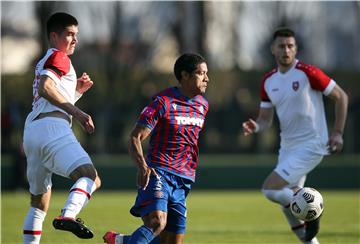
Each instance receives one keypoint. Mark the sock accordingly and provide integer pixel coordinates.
(297, 225)
(80, 194)
(33, 225)
(156, 240)
(313, 241)
(123, 239)
(142, 235)
(282, 196)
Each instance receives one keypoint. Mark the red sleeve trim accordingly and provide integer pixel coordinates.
(263, 94)
(318, 79)
(58, 63)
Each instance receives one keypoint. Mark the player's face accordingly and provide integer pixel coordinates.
(199, 79)
(284, 50)
(66, 40)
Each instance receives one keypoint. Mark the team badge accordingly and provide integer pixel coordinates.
(295, 85)
(148, 111)
(174, 106)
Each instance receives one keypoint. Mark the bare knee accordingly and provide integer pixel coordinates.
(156, 221)
(41, 201)
(86, 170)
(97, 182)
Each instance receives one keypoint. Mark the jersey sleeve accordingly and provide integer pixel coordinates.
(265, 100)
(57, 65)
(152, 113)
(318, 79)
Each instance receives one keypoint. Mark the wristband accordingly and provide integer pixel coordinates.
(257, 127)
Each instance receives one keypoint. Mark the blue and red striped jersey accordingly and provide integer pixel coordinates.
(175, 122)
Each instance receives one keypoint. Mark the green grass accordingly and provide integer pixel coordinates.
(213, 217)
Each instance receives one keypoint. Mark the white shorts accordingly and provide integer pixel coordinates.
(51, 147)
(293, 165)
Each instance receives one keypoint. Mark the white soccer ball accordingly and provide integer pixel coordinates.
(307, 204)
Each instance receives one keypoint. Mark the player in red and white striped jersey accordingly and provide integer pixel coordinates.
(49, 143)
(295, 91)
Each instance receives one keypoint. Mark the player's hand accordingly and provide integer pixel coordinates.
(83, 83)
(335, 144)
(249, 127)
(85, 121)
(143, 176)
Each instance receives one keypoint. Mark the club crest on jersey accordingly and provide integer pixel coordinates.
(148, 111)
(174, 106)
(295, 85)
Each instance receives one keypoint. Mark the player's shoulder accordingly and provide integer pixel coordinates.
(58, 59)
(164, 96)
(58, 56)
(308, 69)
(268, 74)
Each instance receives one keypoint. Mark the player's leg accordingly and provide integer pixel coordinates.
(151, 205)
(35, 217)
(86, 182)
(154, 224)
(297, 226)
(39, 179)
(67, 158)
(274, 189)
(176, 220)
(290, 173)
(167, 237)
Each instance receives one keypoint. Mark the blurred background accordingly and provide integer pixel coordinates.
(129, 48)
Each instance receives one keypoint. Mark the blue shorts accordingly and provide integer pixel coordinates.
(166, 193)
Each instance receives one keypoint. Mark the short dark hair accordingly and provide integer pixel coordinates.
(58, 22)
(187, 62)
(283, 32)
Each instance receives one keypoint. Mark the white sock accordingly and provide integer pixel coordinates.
(313, 241)
(282, 196)
(80, 194)
(297, 225)
(119, 239)
(33, 225)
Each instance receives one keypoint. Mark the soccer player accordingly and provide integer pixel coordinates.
(49, 143)
(295, 90)
(173, 120)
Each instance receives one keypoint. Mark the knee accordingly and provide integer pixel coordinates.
(282, 196)
(269, 194)
(156, 222)
(97, 182)
(41, 202)
(86, 170)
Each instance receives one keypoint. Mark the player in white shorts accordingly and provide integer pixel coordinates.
(296, 90)
(49, 142)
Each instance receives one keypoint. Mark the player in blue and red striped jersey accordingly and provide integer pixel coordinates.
(173, 120)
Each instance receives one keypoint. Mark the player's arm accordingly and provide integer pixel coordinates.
(48, 90)
(138, 134)
(263, 121)
(341, 104)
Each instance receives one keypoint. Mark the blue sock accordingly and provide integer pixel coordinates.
(142, 235)
(156, 240)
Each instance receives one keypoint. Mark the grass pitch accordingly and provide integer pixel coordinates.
(213, 217)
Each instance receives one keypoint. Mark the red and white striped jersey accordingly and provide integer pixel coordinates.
(297, 98)
(57, 65)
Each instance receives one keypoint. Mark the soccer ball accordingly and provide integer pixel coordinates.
(307, 204)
